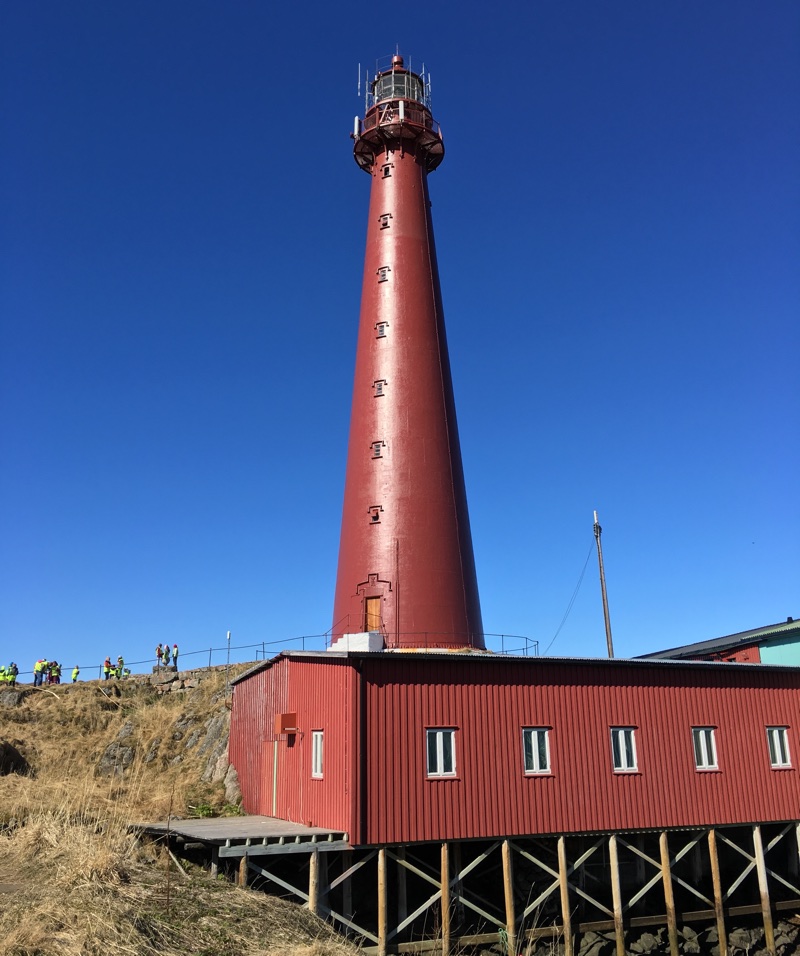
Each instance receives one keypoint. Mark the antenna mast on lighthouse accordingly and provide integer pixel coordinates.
(406, 576)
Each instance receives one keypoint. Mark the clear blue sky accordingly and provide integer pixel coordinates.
(182, 245)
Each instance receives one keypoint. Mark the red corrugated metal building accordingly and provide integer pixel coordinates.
(398, 748)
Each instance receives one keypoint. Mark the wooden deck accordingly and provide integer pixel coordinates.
(249, 835)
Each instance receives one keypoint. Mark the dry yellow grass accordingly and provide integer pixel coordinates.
(73, 879)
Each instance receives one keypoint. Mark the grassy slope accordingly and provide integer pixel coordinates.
(74, 881)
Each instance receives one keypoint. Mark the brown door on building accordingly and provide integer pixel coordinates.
(372, 614)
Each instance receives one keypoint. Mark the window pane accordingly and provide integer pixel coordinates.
(623, 748)
(778, 742)
(316, 753)
(527, 749)
(432, 759)
(773, 757)
(705, 751)
(698, 748)
(711, 752)
(447, 751)
(544, 763)
(630, 762)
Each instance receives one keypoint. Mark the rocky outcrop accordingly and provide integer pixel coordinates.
(11, 759)
(202, 735)
(11, 697)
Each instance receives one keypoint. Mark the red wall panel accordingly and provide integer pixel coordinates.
(490, 700)
(320, 692)
(256, 700)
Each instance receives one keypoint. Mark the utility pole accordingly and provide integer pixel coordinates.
(597, 532)
(228, 665)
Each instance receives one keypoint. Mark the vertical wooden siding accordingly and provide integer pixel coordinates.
(489, 702)
(321, 693)
(256, 700)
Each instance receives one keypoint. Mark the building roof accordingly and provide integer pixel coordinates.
(758, 635)
(489, 659)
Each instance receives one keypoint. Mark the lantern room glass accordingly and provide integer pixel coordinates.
(394, 86)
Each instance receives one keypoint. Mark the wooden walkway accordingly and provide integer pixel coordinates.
(248, 835)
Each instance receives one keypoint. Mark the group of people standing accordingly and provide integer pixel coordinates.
(165, 654)
(118, 670)
(49, 672)
(8, 675)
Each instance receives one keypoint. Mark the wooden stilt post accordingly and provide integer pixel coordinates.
(313, 882)
(763, 888)
(616, 894)
(717, 884)
(508, 892)
(402, 889)
(445, 885)
(669, 898)
(382, 929)
(566, 918)
(243, 871)
(214, 862)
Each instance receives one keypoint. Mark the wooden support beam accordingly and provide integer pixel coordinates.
(669, 898)
(763, 888)
(243, 871)
(508, 893)
(214, 862)
(716, 881)
(566, 916)
(313, 882)
(445, 901)
(382, 925)
(616, 894)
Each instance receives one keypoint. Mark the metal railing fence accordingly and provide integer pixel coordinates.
(514, 644)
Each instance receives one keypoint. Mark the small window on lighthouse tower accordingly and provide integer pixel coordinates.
(375, 514)
(383, 273)
(380, 330)
(379, 386)
(386, 170)
(377, 449)
(385, 219)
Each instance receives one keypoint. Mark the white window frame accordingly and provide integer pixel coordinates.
(436, 751)
(532, 740)
(317, 751)
(778, 746)
(704, 747)
(623, 750)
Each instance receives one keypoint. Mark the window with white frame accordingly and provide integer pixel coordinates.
(705, 748)
(536, 749)
(778, 743)
(316, 753)
(623, 748)
(441, 747)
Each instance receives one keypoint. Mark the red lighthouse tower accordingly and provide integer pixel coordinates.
(406, 576)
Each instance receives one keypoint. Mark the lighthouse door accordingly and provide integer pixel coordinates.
(372, 614)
